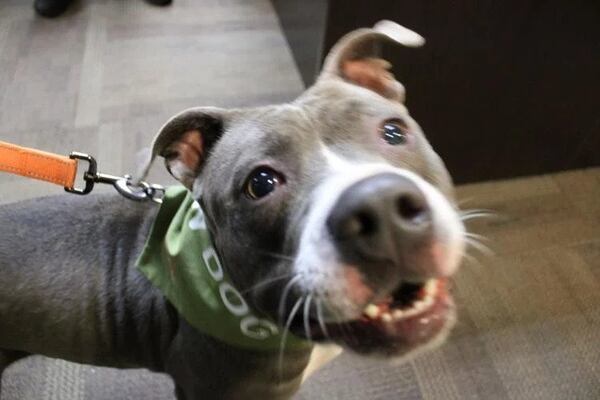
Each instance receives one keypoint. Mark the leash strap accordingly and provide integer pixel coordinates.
(38, 164)
(62, 170)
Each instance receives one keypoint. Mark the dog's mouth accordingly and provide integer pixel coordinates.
(413, 316)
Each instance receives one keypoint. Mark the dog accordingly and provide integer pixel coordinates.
(332, 216)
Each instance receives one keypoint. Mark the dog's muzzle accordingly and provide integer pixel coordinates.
(393, 242)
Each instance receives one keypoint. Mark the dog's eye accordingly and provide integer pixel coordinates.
(262, 182)
(394, 131)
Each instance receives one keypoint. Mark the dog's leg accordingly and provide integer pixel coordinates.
(7, 357)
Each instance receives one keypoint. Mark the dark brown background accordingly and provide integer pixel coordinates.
(501, 89)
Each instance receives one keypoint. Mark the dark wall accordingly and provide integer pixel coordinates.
(501, 88)
(304, 25)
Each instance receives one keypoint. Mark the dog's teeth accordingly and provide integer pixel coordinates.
(398, 314)
(387, 317)
(427, 301)
(418, 306)
(431, 287)
(372, 311)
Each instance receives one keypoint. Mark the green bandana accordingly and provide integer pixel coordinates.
(180, 260)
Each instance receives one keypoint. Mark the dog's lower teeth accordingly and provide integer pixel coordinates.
(430, 287)
(372, 311)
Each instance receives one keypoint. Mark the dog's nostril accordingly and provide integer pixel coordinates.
(412, 209)
(367, 223)
(362, 223)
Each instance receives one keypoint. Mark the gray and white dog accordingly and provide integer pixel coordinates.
(332, 214)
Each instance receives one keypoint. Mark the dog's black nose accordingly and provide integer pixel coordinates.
(377, 218)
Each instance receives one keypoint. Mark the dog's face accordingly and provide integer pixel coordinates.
(331, 214)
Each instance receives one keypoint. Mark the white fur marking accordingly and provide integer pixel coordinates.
(335, 161)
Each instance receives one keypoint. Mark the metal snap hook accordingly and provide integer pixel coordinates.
(138, 192)
(141, 191)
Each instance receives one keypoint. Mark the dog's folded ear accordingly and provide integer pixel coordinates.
(356, 58)
(185, 142)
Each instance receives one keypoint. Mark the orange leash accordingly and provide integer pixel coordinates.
(62, 170)
(38, 164)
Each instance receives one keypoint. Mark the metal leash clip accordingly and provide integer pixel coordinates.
(143, 191)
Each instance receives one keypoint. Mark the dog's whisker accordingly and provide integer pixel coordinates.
(265, 283)
(286, 289)
(477, 237)
(467, 217)
(269, 253)
(478, 246)
(463, 201)
(476, 213)
(319, 305)
(275, 255)
(471, 259)
(482, 248)
(286, 330)
(476, 210)
(306, 316)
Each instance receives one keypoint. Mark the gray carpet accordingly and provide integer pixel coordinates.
(103, 78)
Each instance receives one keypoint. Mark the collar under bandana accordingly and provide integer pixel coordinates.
(180, 260)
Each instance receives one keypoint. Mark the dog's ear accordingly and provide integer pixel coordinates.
(185, 142)
(356, 58)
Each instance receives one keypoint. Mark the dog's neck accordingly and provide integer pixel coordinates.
(180, 260)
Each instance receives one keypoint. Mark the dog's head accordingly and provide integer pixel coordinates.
(332, 214)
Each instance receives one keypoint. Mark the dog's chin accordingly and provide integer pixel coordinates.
(395, 330)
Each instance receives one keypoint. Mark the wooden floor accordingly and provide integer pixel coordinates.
(102, 80)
